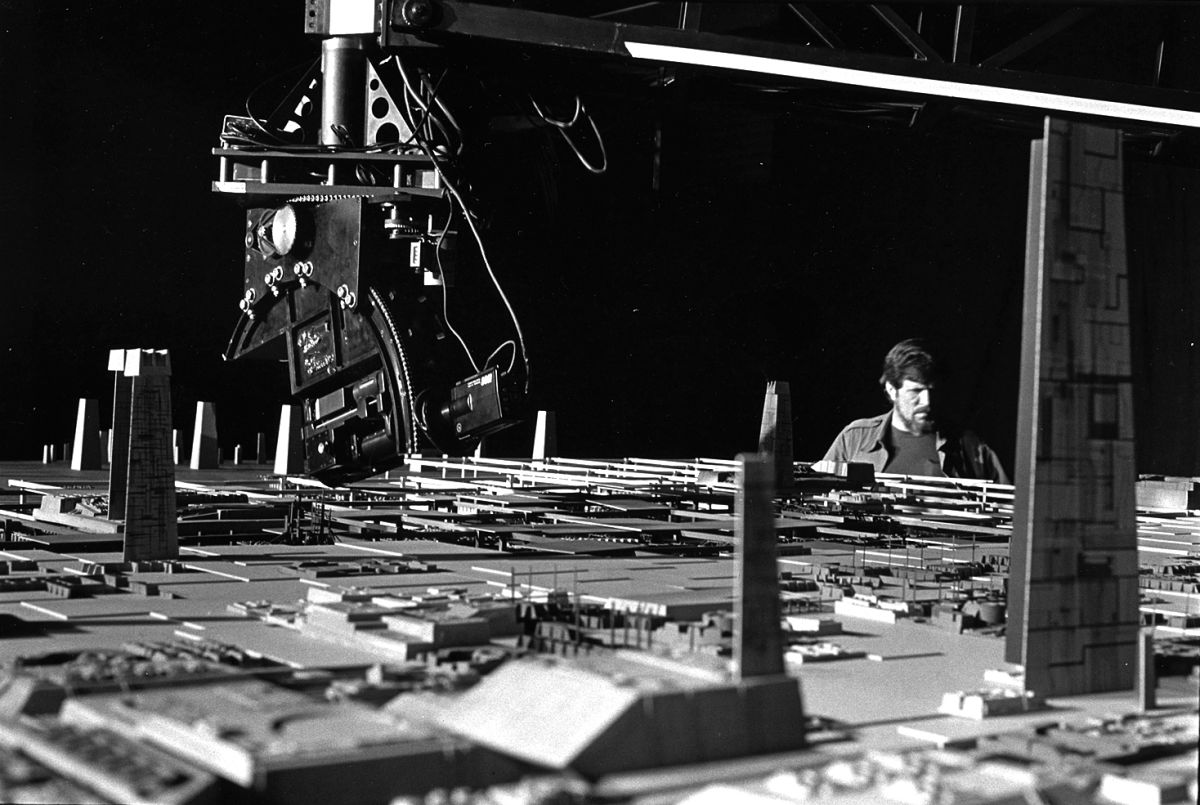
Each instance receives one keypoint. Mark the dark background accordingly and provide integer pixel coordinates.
(769, 243)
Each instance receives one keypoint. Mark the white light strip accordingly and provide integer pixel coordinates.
(923, 86)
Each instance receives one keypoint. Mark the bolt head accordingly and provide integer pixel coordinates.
(418, 13)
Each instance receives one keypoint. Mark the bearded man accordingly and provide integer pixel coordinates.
(909, 440)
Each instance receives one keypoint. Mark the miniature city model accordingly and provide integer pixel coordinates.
(563, 627)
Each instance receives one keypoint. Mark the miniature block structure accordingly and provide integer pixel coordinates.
(1168, 493)
(625, 711)
(868, 610)
(1121, 789)
(150, 516)
(855, 473)
(988, 702)
(775, 435)
(758, 639)
(289, 449)
(120, 767)
(86, 451)
(545, 436)
(1147, 678)
(1073, 595)
(204, 438)
(286, 748)
(118, 460)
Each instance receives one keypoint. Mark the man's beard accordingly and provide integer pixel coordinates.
(920, 423)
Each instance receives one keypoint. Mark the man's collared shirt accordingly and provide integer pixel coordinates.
(963, 455)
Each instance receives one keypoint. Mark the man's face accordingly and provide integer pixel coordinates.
(912, 405)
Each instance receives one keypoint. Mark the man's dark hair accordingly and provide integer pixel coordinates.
(910, 359)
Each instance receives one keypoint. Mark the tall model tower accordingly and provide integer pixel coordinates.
(150, 518)
(758, 638)
(1073, 595)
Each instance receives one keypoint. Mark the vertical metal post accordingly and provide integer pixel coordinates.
(343, 73)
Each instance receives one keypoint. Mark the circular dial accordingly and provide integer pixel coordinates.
(283, 229)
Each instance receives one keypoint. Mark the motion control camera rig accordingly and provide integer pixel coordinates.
(349, 205)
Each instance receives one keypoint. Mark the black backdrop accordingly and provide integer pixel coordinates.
(770, 244)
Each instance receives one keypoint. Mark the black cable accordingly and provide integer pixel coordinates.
(562, 124)
(453, 144)
(250, 97)
(579, 154)
(437, 253)
(564, 127)
(454, 192)
(415, 126)
(512, 359)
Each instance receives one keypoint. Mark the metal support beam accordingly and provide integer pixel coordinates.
(689, 16)
(920, 48)
(977, 86)
(1037, 37)
(617, 12)
(964, 34)
(814, 23)
(913, 77)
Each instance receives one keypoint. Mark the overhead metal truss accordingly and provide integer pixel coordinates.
(1086, 61)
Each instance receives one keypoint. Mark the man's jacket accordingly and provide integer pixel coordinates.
(963, 454)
